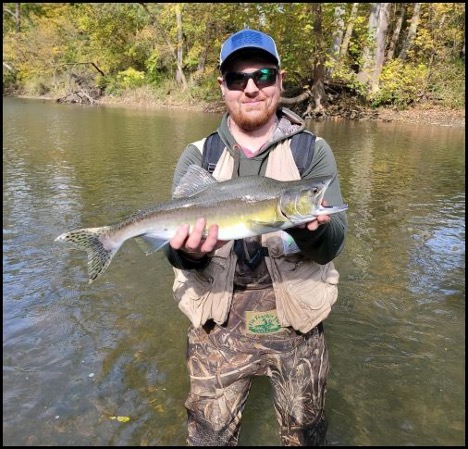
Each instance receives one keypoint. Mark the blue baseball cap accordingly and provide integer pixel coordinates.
(247, 39)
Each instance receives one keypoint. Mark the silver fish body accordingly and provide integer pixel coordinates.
(241, 207)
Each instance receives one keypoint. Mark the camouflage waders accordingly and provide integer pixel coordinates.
(222, 360)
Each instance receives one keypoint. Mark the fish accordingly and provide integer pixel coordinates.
(242, 207)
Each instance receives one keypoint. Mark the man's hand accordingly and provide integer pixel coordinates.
(317, 221)
(195, 244)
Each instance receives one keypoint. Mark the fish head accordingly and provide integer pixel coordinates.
(302, 201)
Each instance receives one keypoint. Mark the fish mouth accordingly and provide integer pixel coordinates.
(328, 210)
(305, 203)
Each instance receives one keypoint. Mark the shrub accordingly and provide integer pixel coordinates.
(130, 78)
(400, 84)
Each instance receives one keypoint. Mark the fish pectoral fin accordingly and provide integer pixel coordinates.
(261, 227)
(150, 244)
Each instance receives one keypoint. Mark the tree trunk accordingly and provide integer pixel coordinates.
(368, 54)
(338, 25)
(295, 100)
(16, 15)
(180, 77)
(400, 14)
(349, 30)
(319, 95)
(381, 40)
(411, 32)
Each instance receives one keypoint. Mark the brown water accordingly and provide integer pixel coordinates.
(76, 355)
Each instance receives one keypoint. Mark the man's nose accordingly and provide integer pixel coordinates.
(251, 87)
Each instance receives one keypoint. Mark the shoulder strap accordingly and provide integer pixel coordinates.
(212, 150)
(302, 147)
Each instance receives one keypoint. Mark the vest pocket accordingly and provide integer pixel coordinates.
(306, 294)
(203, 295)
(307, 283)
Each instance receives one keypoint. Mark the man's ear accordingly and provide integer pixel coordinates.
(221, 86)
(282, 78)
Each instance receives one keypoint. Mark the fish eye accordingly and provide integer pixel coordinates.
(315, 190)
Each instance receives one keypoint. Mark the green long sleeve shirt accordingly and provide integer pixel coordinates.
(322, 245)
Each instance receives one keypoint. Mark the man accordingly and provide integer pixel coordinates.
(257, 305)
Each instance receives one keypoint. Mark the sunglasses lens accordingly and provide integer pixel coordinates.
(265, 77)
(235, 80)
(262, 78)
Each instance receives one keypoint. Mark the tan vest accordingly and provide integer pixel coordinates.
(305, 291)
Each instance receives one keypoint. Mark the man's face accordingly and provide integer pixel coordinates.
(253, 106)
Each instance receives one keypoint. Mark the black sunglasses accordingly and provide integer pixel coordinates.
(262, 78)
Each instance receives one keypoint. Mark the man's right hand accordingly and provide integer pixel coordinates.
(195, 244)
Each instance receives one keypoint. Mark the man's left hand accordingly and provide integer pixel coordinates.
(317, 221)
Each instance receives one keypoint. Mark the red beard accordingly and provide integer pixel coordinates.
(247, 121)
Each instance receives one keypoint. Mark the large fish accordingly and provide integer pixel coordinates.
(242, 207)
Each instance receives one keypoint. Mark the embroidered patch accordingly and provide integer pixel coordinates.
(261, 323)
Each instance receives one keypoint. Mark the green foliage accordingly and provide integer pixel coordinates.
(446, 85)
(137, 44)
(110, 31)
(400, 84)
(121, 81)
(131, 78)
(343, 75)
(204, 85)
(155, 70)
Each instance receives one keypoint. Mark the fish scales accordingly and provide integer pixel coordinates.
(241, 207)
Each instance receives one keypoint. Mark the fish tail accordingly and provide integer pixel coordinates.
(101, 250)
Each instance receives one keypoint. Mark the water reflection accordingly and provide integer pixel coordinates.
(77, 355)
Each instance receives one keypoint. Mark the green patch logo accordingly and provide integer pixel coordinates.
(261, 323)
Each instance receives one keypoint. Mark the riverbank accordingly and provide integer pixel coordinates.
(432, 115)
(427, 114)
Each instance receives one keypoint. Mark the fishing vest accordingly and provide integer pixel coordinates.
(304, 290)
(302, 149)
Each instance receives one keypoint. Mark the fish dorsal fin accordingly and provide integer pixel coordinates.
(195, 180)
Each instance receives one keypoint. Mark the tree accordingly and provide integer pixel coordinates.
(161, 44)
(338, 25)
(349, 30)
(373, 54)
(400, 13)
(319, 95)
(411, 32)
(16, 15)
(381, 38)
(180, 76)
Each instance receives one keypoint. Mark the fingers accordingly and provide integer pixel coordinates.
(180, 236)
(195, 238)
(320, 220)
(196, 243)
(211, 242)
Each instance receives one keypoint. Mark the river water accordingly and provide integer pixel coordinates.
(103, 364)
